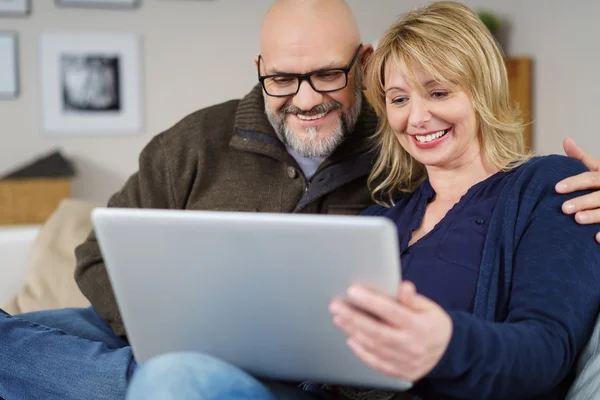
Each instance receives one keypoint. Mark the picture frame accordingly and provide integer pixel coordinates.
(91, 84)
(15, 8)
(9, 73)
(123, 4)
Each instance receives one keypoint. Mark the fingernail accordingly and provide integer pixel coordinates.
(569, 207)
(353, 291)
(561, 187)
(582, 218)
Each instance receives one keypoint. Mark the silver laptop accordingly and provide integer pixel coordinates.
(250, 288)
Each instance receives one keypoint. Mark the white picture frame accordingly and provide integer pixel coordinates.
(98, 3)
(14, 8)
(91, 84)
(9, 74)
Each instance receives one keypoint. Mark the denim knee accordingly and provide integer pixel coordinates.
(189, 375)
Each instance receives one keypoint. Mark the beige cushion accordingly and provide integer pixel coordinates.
(49, 281)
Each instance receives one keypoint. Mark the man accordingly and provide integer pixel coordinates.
(295, 143)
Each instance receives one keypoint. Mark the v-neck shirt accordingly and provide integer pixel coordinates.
(444, 263)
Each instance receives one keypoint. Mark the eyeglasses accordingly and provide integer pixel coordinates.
(322, 80)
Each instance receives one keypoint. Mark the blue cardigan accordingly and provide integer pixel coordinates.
(537, 296)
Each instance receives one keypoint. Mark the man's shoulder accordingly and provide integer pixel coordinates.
(207, 123)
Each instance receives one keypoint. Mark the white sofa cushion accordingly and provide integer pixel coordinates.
(16, 243)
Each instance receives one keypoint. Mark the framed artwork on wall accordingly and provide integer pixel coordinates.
(98, 3)
(9, 76)
(14, 8)
(91, 84)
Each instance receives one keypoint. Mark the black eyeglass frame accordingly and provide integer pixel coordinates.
(306, 77)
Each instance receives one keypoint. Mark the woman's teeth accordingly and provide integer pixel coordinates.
(310, 117)
(431, 136)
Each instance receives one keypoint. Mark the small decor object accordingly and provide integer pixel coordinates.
(9, 80)
(14, 8)
(30, 193)
(491, 20)
(98, 3)
(91, 84)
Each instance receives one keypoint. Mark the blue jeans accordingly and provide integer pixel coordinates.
(67, 354)
(188, 376)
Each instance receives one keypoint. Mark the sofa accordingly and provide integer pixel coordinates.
(43, 278)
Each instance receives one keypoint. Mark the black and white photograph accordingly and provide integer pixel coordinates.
(91, 84)
(9, 76)
(124, 4)
(14, 8)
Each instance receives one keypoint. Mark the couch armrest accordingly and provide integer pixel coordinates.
(16, 243)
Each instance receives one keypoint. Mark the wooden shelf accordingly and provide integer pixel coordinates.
(520, 84)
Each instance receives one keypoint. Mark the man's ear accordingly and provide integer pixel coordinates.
(366, 53)
(256, 63)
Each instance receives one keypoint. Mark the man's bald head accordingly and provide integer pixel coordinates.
(306, 21)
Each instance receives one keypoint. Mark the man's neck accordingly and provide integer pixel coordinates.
(308, 165)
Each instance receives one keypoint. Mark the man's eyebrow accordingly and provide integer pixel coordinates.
(276, 71)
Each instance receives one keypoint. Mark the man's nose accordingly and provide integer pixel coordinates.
(307, 98)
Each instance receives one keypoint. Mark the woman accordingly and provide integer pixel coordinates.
(507, 284)
(504, 306)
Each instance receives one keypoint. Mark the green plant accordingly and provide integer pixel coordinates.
(490, 20)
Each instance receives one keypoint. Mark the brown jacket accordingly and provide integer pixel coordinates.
(227, 157)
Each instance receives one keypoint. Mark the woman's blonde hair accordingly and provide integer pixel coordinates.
(451, 44)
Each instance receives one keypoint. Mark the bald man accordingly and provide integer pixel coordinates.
(296, 143)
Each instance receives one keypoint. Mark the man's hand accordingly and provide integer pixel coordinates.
(586, 208)
(403, 338)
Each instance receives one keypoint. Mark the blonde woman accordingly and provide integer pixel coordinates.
(503, 289)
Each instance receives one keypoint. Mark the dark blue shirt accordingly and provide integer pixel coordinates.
(537, 295)
(444, 264)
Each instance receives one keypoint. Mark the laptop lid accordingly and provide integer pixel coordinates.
(252, 289)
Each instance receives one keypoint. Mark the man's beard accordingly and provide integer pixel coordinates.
(312, 145)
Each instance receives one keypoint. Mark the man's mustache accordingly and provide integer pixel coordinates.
(319, 109)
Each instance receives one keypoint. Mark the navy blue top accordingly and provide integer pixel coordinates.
(451, 251)
(536, 297)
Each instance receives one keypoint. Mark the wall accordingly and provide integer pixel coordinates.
(197, 53)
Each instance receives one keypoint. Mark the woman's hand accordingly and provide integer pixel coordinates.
(404, 337)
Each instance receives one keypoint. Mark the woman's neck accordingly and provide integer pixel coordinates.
(451, 183)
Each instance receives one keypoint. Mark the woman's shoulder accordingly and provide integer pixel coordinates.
(375, 210)
(399, 202)
(549, 169)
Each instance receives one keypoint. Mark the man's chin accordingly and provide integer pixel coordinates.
(321, 145)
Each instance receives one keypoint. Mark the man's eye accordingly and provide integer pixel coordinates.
(329, 76)
(283, 80)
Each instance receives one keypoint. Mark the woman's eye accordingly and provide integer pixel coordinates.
(439, 94)
(399, 100)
